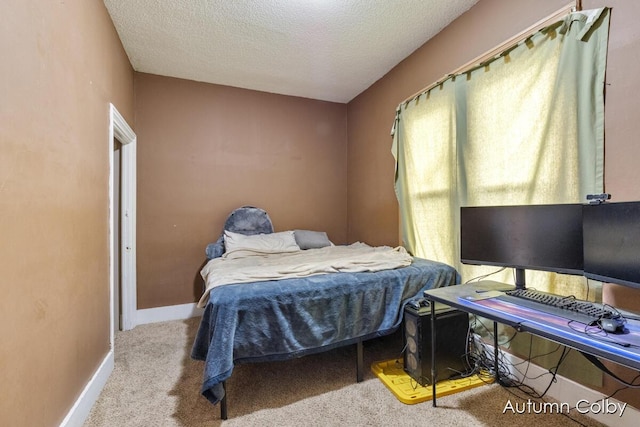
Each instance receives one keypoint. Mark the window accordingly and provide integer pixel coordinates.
(526, 127)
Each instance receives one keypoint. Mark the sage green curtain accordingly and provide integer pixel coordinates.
(526, 127)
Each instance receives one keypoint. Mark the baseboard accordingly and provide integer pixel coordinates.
(81, 409)
(163, 314)
(571, 392)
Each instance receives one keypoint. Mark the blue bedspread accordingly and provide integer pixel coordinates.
(284, 319)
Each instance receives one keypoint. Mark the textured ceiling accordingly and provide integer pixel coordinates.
(322, 49)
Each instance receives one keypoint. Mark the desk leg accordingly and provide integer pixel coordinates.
(495, 351)
(433, 353)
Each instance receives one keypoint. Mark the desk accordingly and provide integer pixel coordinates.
(623, 349)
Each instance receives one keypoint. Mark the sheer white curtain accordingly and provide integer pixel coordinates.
(526, 127)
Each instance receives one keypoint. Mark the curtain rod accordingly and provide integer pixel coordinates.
(574, 6)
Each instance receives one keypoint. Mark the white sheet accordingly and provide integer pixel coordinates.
(255, 267)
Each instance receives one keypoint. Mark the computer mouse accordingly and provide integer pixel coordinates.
(613, 325)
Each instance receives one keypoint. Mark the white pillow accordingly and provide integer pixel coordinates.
(257, 244)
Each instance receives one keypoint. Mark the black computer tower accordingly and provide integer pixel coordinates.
(451, 338)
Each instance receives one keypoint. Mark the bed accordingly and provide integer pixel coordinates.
(265, 304)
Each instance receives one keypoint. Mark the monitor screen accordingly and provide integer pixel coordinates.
(537, 237)
(612, 243)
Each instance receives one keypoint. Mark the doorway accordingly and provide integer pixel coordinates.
(122, 223)
(116, 315)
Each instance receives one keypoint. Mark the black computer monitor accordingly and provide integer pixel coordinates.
(536, 237)
(612, 243)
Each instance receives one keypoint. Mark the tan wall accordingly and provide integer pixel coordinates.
(204, 150)
(62, 63)
(372, 206)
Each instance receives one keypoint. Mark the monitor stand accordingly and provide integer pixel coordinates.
(520, 278)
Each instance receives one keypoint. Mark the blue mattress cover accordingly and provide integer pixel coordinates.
(284, 319)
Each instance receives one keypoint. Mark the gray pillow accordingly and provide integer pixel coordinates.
(308, 239)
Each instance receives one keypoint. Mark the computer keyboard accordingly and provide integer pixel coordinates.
(589, 313)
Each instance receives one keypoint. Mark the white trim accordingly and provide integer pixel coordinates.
(566, 390)
(112, 255)
(120, 130)
(78, 414)
(172, 312)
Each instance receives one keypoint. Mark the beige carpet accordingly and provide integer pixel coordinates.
(156, 383)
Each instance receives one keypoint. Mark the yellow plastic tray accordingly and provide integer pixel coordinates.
(407, 390)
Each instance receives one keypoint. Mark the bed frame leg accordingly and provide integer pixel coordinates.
(223, 402)
(359, 361)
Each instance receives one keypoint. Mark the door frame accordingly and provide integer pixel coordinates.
(119, 129)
